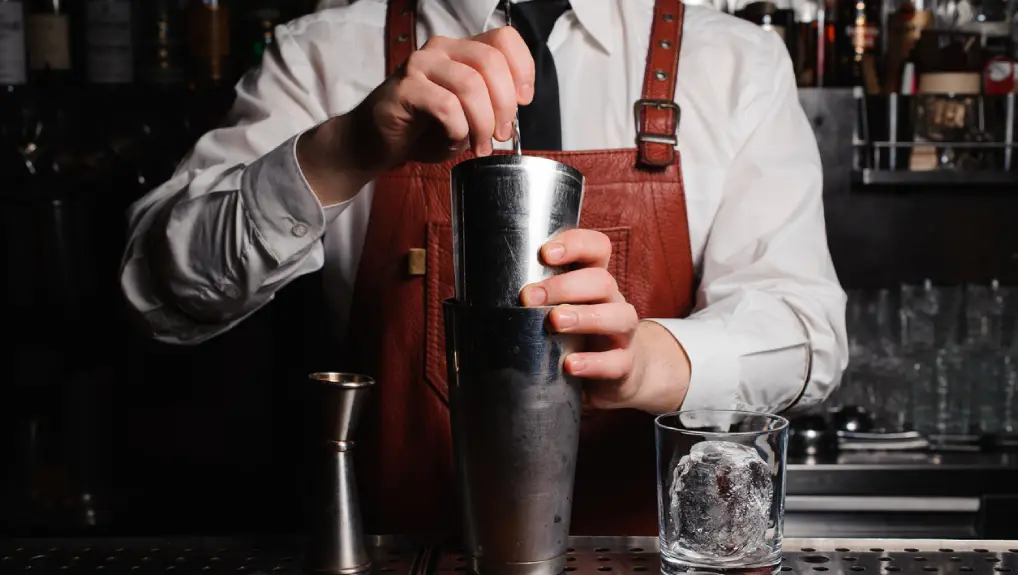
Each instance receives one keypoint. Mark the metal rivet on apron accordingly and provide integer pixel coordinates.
(402, 38)
(661, 75)
(668, 17)
(417, 261)
(665, 44)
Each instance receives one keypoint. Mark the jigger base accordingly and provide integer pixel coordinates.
(346, 571)
(547, 567)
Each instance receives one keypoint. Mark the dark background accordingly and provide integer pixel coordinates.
(106, 431)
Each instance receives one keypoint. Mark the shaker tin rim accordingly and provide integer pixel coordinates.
(341, 379)
(510, 160)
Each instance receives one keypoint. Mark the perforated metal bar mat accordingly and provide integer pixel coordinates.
(587, 556)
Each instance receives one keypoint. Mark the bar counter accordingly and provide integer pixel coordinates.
(402, 556)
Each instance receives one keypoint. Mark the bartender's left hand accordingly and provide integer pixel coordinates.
(629, 363)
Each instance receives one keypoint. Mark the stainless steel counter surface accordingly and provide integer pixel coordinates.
(402, 556)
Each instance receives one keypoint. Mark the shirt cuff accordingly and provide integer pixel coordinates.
(287, 215)
(714, 365)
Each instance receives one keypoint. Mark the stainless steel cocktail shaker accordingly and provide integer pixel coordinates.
(515, 414)
(504, 208)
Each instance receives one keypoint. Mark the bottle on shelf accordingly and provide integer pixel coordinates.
(13, 65)
(208, 42)
(210, 69)
(905, 24)
(256, 24)
(164, 122)
(49, 44)
(109, 42)
(857, 44)
(774, 15)
(13, 78)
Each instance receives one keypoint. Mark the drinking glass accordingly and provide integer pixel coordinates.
(721, 490)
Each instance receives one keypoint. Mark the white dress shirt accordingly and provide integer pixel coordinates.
(237, 221)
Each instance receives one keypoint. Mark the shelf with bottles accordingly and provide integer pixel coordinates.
(941, 138)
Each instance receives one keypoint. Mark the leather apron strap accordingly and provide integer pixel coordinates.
(656, 113)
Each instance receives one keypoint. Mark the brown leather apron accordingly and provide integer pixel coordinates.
(635, 196)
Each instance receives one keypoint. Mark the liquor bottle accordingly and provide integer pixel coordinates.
(904, 27)
(13, 76)
(48, 39)
(109, 42)
(210, 70)
(857, 43)
(256, 25)
(208, 41)
(161, 37)
(13, 67)
(164, 121)
(775, 15)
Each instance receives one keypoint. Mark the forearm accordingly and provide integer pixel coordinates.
(209, 248)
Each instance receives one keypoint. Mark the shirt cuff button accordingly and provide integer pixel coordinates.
(231, 292)
(299, 230)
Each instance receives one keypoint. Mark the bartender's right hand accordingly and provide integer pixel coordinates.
(450, 94)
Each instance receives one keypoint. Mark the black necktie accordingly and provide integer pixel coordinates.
(541, 121)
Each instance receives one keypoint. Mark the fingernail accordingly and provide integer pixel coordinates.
(566, 319)
(506, 131)
(526, 93)
(554, 251)
(484, 149)
(535, 295)
(576, 364)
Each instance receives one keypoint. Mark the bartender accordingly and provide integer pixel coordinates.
(701, 271)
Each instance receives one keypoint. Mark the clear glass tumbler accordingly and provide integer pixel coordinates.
(721, 491)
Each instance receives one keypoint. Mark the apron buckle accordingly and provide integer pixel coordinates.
(643, 136)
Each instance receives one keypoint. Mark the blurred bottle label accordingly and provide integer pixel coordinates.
(864, 37)
(110, 49)
(12, 44)
(49, 44)
(209, 36)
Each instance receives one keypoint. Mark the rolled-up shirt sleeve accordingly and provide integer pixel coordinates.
(768, 330)
(237, 220)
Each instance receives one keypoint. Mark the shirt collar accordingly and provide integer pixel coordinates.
(594, 15)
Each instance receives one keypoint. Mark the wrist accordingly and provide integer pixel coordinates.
(326, 155)
(662, 368)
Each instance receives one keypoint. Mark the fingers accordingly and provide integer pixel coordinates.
(587, 285)
(578, 246)
(508, 41)
(600, 319)
(489, 75)
(430, 98)
(614, 365)
(472, 93)
(491, 67)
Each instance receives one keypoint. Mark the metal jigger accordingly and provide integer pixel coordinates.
(336, 540)
(515, 414)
